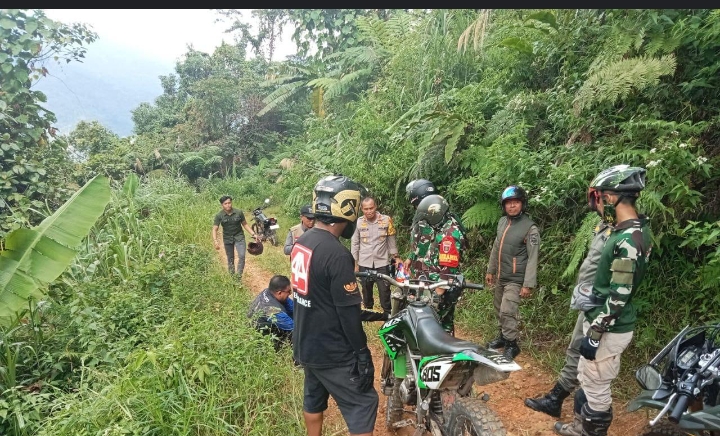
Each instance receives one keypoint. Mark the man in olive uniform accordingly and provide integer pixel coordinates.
(372, 246)
(307, 221)
(232, 221)
(512, 268)
(608, 308)
(551, 403)
(438, 247)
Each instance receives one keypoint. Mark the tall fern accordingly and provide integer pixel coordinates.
(580, 244)
(618, 79)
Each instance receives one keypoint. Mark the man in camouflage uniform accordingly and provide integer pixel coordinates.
(551, 403)
(437, 250)
(609, 312)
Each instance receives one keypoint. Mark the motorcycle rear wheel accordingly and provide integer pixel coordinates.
(665, 428)
(469, 416)
(273, 239)
(256, 229)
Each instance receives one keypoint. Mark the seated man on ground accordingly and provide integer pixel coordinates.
(272, 310)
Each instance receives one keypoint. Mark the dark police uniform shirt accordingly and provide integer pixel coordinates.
(323, 277)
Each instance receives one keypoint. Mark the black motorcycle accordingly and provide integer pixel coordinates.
(265, 226)
(430, 371)
(683, 382)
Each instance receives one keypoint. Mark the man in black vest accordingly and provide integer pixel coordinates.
(273, 310)
(512, 268)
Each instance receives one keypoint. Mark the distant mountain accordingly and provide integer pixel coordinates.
(110, 82)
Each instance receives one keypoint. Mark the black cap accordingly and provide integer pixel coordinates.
(306, 211)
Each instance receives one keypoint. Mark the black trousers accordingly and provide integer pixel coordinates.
(383, 289)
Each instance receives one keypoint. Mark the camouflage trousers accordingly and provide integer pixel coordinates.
(506, 302)
(595, 376)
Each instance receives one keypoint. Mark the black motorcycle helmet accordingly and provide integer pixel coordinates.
(514, 192)
(418, 189)
(255, 248)
(433, 210)
(336, 199)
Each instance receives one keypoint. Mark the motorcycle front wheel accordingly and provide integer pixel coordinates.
(470, 417)
(664, 428)
(394, 406)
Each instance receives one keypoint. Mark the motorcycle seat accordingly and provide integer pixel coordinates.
(432, 339)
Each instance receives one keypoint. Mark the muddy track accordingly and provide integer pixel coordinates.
(506, 397)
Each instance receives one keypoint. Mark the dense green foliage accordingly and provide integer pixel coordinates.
(472, 100)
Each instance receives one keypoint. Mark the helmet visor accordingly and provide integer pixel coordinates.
(593, 197)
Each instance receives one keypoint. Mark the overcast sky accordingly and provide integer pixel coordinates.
(161, 33)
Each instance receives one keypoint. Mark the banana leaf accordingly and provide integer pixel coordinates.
(35, 257)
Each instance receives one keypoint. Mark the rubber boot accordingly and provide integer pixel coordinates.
(595, 423)
(550, 403)
(512, 349)
(573, 428)
(498, 342)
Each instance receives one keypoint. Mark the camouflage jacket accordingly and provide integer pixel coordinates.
(437, 251)
(620, 271)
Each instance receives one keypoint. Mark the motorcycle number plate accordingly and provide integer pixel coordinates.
(274, 227)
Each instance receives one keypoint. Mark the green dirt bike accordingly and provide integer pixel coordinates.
(430, 370)
(683, 382)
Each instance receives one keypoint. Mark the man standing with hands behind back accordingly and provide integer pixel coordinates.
(372, 246)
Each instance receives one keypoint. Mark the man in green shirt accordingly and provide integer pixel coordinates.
(609, 311)
(232, 221)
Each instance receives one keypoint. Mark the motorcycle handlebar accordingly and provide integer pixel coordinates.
(434, 285)
(680, 407)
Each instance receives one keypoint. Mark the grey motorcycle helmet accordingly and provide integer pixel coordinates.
(433, 210)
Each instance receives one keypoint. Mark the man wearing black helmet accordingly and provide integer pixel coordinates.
(512, 267)
(608, 307)
(329, 340)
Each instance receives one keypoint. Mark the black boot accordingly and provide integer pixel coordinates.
(498, 342)
(550, 403)
(512, 349)
(595, 423)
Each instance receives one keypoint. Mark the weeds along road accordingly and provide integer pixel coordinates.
(506, 397)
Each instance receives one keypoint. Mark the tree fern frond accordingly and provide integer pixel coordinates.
(616, 80)
(342, 86)
(482, 214)
(580, 244)
(276, 98)
(322, 82)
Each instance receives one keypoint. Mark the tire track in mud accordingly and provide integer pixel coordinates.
(506, 397)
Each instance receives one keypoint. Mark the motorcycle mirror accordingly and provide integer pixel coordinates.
(648, 377)
(267, 201)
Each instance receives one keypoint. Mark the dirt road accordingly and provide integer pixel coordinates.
(506, 397)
